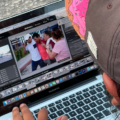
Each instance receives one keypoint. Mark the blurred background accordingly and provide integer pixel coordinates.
(10, 8)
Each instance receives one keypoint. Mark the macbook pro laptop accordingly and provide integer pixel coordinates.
(72, 86)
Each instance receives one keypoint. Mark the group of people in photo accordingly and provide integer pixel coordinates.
(49, 49)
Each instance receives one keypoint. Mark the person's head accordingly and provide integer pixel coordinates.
(46, 35)
(28, 38)
(36, 37)
(56, 34)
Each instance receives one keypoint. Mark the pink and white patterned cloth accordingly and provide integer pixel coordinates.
(78, 8)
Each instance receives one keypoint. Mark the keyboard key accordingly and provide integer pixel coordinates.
(99, 116)
(60, 113)
(53, 109)
(73, 107)
(72, 114)
(105, 99)
(86, 94)
(99, 89)
(99, 84)
(51, 105)
(92, 92)
(106, 112)
(73, 100)
(49, 112)
(53, 116)
(87, 100)
(90, 118)
(86, 90)
(80, 104)
(66, 98)
(92, 87)
(44, 107)
(87, 114)
(107, 105)
(93, 104)
(36, 111)
(36, 115)
(48, 118)
(80, 97)
(99, 102)
(71, 96)
(114, 110)
(67, 116)
(86, 107)
(100, 95)
(78, 93)
(105, 93)
(59, 106)
(103, 86)
(93, 111)
(66, 103)
(73, 119)
(100, 108)
(67, 110)
(93, 98)
(80, 117)
(79, 110)
(58, 102)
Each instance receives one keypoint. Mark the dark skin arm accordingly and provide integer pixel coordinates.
(27, 115)
(24, 49)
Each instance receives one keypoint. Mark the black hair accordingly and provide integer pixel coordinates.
(35, 35)
(48, 33)
(56, 33)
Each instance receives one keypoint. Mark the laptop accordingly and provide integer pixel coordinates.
(72, 86)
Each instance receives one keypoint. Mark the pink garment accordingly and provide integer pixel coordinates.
(61, 49)
(79, 8)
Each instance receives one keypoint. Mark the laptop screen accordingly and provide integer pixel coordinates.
(23, 75)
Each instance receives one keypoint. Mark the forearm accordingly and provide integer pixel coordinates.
(24, 51)
(50, 54)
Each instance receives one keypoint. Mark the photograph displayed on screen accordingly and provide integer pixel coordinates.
(5, 54)
(39, 49)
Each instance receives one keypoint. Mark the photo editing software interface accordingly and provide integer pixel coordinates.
(18, 79)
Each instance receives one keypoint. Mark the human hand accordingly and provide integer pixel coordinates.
(48, 46)
(27, 115)
(43, 45)
(24, 45)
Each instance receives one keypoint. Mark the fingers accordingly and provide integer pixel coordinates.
(112, 88)
(43, 114)
(27, 115)
(115, 102)
(62, 118)
(15, 113)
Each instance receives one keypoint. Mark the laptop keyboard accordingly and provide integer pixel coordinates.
(88, 104)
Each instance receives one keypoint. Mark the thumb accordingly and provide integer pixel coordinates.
(62, 118)
(115, 102)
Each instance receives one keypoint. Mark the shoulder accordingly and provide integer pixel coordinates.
(62, 40)
(33, 42)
